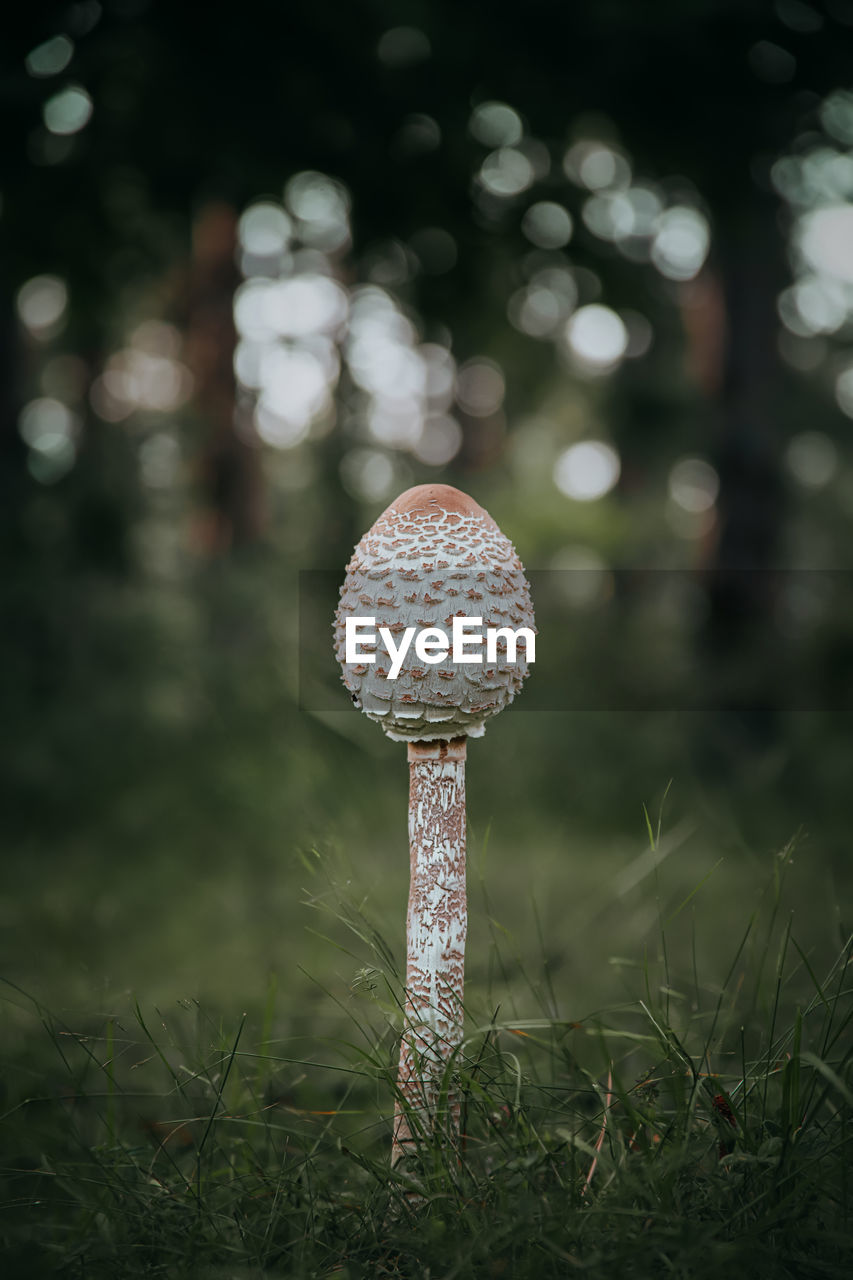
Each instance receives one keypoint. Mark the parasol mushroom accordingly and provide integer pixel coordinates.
(433, 558)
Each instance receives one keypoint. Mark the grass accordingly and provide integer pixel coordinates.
(695, 1126)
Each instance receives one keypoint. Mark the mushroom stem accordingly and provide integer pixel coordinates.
(436, 926)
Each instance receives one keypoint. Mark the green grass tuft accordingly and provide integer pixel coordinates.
(692, 1130)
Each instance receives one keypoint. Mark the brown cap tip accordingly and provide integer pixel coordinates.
(430, 499)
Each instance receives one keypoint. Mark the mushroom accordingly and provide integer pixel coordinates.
(433, 556)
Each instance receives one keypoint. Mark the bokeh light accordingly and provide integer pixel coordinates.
(51, 57)
(389, 262)
(681, 242)
(380, 347)
(367, 475)
(265, 230)
(609, 215)
(646, 207)
(812, 459)
(587, 470)
(320, 205)
(418, 135)
(596, 165)
(640, 334)
(547, 225)
(836, 115)
(397, 424)
(279, 431)
(295, 389)
(440, 440)
(817, 182)
(536, 310)
(844, 391)
(815, 304)
(596, 337)
(41, 303)
(506, 172)
(798, 16)
(306, 305)
(563, 284)
(146, 375)
(402, 47)
(496, 124)
(820, 176)
(298, 325)
(68, 111)
(440, 374)
(251, 314)
(480, 387)
(826, 240)
(771, 63)
(49, 428)
(44, 420)
(693, 485)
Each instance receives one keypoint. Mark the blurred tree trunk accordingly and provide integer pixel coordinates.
(751, 439)
(734, 354)
(231, 475)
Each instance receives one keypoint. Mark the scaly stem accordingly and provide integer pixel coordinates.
(436, 926)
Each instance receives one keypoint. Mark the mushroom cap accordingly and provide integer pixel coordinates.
(434, 553)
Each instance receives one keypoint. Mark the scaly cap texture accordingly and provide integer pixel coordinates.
(433, 554)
